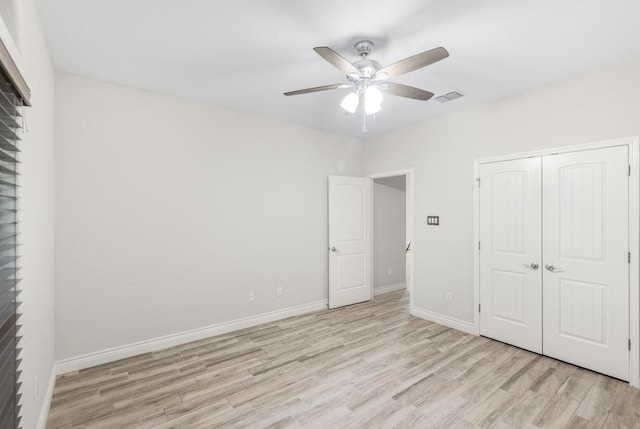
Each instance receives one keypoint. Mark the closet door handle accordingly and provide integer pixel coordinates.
(553, 269)
(531, 266)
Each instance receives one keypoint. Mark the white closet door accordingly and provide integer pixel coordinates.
(586, 275)
(510, 236)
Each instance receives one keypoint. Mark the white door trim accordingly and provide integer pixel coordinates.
(408, 173)
(633, 143)
(634, 267)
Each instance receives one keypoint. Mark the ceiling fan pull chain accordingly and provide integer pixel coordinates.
(364, 122)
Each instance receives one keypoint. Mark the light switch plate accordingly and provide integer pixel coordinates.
(433, 220)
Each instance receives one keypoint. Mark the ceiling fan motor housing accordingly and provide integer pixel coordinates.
(363, 47)
(367, 67)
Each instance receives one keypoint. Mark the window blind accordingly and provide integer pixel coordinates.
(10, 123)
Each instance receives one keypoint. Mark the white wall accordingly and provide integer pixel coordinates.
(8, 12)
(598, 106)
(170, 212)
(37, 217)
(389, 230)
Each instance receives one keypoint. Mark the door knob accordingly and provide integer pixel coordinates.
(333, 249)
(532, 266)
(553, 269)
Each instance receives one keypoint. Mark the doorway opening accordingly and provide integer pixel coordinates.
(392, 232)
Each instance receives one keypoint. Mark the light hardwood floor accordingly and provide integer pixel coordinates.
(369, 365)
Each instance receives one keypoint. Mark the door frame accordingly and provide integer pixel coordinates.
(408, 173)
(633, 144)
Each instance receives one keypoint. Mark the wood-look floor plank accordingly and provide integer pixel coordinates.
(556, 413)
(597, 399)
(596, 421)
(370, 365)
(615, 421)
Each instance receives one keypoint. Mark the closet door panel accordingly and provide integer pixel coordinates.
(510, 254)
(585, 245)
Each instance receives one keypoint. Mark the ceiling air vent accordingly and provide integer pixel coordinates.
(449, 97)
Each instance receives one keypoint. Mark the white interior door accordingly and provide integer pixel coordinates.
(350, 241)
(586, 275)
(510, 237)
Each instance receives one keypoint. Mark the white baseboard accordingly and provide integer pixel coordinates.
(155, 344)
(48, 395)
(441, 319)
(389, 288)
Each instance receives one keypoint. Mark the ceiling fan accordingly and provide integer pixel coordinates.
(369, 79)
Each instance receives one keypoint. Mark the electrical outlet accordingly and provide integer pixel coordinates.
(279, 291)
(449, 297)
(390, 271)
(251, 296)
(35, 387)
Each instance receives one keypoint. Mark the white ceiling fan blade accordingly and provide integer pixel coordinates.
(408, 91)
(317, 89)
(414, 62)
(337, 60)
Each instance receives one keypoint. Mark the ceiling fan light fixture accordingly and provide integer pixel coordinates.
(373, 95)
(371, 108)
(350, 102)
(372, 100)
(381, 76)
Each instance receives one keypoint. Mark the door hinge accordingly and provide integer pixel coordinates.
(478, 308)
(478, 245)
(478, 180)
(629, 344)
(629, 257)
(629, 171)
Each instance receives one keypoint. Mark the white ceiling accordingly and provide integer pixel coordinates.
(243, 54)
